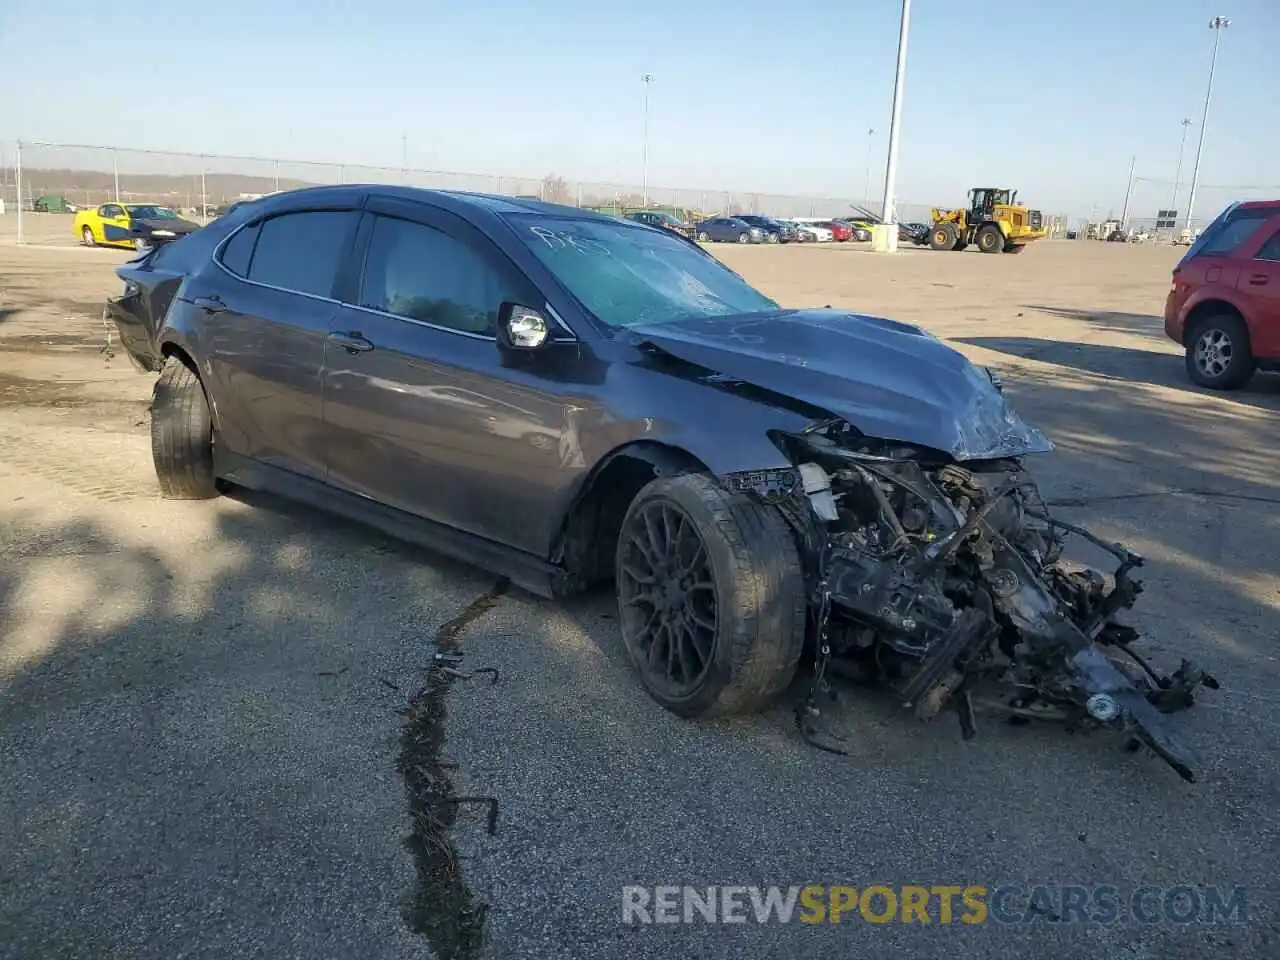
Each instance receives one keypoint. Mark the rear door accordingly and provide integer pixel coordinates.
(419, 410)
(265, 316)
(1259, 291)
(1215, 259)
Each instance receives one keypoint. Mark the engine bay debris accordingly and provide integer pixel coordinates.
(945, 582)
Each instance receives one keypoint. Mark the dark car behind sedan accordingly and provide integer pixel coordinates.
(774, 231)
(664, 221)
(728, 230)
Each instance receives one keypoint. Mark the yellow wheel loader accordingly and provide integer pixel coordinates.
(994, 221)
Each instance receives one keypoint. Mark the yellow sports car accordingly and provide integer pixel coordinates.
(136, 226)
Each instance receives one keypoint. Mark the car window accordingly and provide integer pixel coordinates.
(1271, 249)
(1233, 231)
(420, 273)
(239, 251)
(111, 210)
(151, 212)
(302, 251)
(627, 277)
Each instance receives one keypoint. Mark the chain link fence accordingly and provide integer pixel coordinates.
(1151, 195)
(39, 181)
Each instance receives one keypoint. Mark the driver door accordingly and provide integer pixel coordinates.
(114, 224)
(420, 413)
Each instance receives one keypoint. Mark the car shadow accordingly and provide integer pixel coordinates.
(1128, 363)
(7, 313)
(1112, 321)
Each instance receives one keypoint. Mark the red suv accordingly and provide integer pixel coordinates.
(1224, 307)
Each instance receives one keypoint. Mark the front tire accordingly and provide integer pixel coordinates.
(711, 597)
(182, 434)
(86, 236)
(744, 238)
(703, 237)
(1219, 355)
(990, 239)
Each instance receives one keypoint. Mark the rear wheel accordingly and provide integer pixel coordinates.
(943, 236)
(744, 238)
(711, 597)
(1219, 355)
(182, 434)
(86, 236)
(702, 236)
(990, 239)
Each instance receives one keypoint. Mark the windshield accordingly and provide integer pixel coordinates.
(151, 212)
(628, 276)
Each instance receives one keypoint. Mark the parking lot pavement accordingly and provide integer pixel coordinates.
(210, 711)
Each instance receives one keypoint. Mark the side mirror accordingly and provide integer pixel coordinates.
(522, 328)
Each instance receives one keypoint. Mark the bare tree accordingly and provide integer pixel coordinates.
(556, 190)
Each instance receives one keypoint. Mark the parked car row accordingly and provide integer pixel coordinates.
(753, 228)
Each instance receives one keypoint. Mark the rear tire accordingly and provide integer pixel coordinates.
(703, 238)
(1219, 355)
(182, 434)
(744, 238)
(711, 597)
(990, 239)
(86, 236)
(944, 236)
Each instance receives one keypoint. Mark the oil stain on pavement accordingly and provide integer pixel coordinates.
(441, 908)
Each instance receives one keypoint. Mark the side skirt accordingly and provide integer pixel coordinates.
(523, 569)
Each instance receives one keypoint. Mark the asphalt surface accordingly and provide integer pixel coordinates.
(208, 710)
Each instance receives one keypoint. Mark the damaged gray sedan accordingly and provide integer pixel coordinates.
(566, 398)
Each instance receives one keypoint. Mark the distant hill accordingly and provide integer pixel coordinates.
(95, 186)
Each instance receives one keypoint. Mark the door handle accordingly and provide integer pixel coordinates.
(211, 304)
(1258, 279)
(352, 342)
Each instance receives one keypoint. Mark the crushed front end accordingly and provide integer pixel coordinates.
(944, 580)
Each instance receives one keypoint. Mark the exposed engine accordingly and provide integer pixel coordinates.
(947, 582)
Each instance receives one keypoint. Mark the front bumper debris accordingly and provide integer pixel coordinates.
(946, 584)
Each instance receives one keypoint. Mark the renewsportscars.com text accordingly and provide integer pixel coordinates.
(939, 903)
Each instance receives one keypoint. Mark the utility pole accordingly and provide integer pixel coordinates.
(647, 79)
(1128, 191)
(404, 157)
(889, 213)
(1177, 175)
(866, 193)
(1217, 25)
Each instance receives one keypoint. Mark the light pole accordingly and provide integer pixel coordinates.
(1177, 176)
(1217, 25)
(889, 213)
(647, 78)
(1128, 192)
(866, 193)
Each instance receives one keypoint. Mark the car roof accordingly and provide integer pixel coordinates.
(1260, 204)
(453, 199)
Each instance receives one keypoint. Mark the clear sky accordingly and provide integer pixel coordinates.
(1046, 96)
